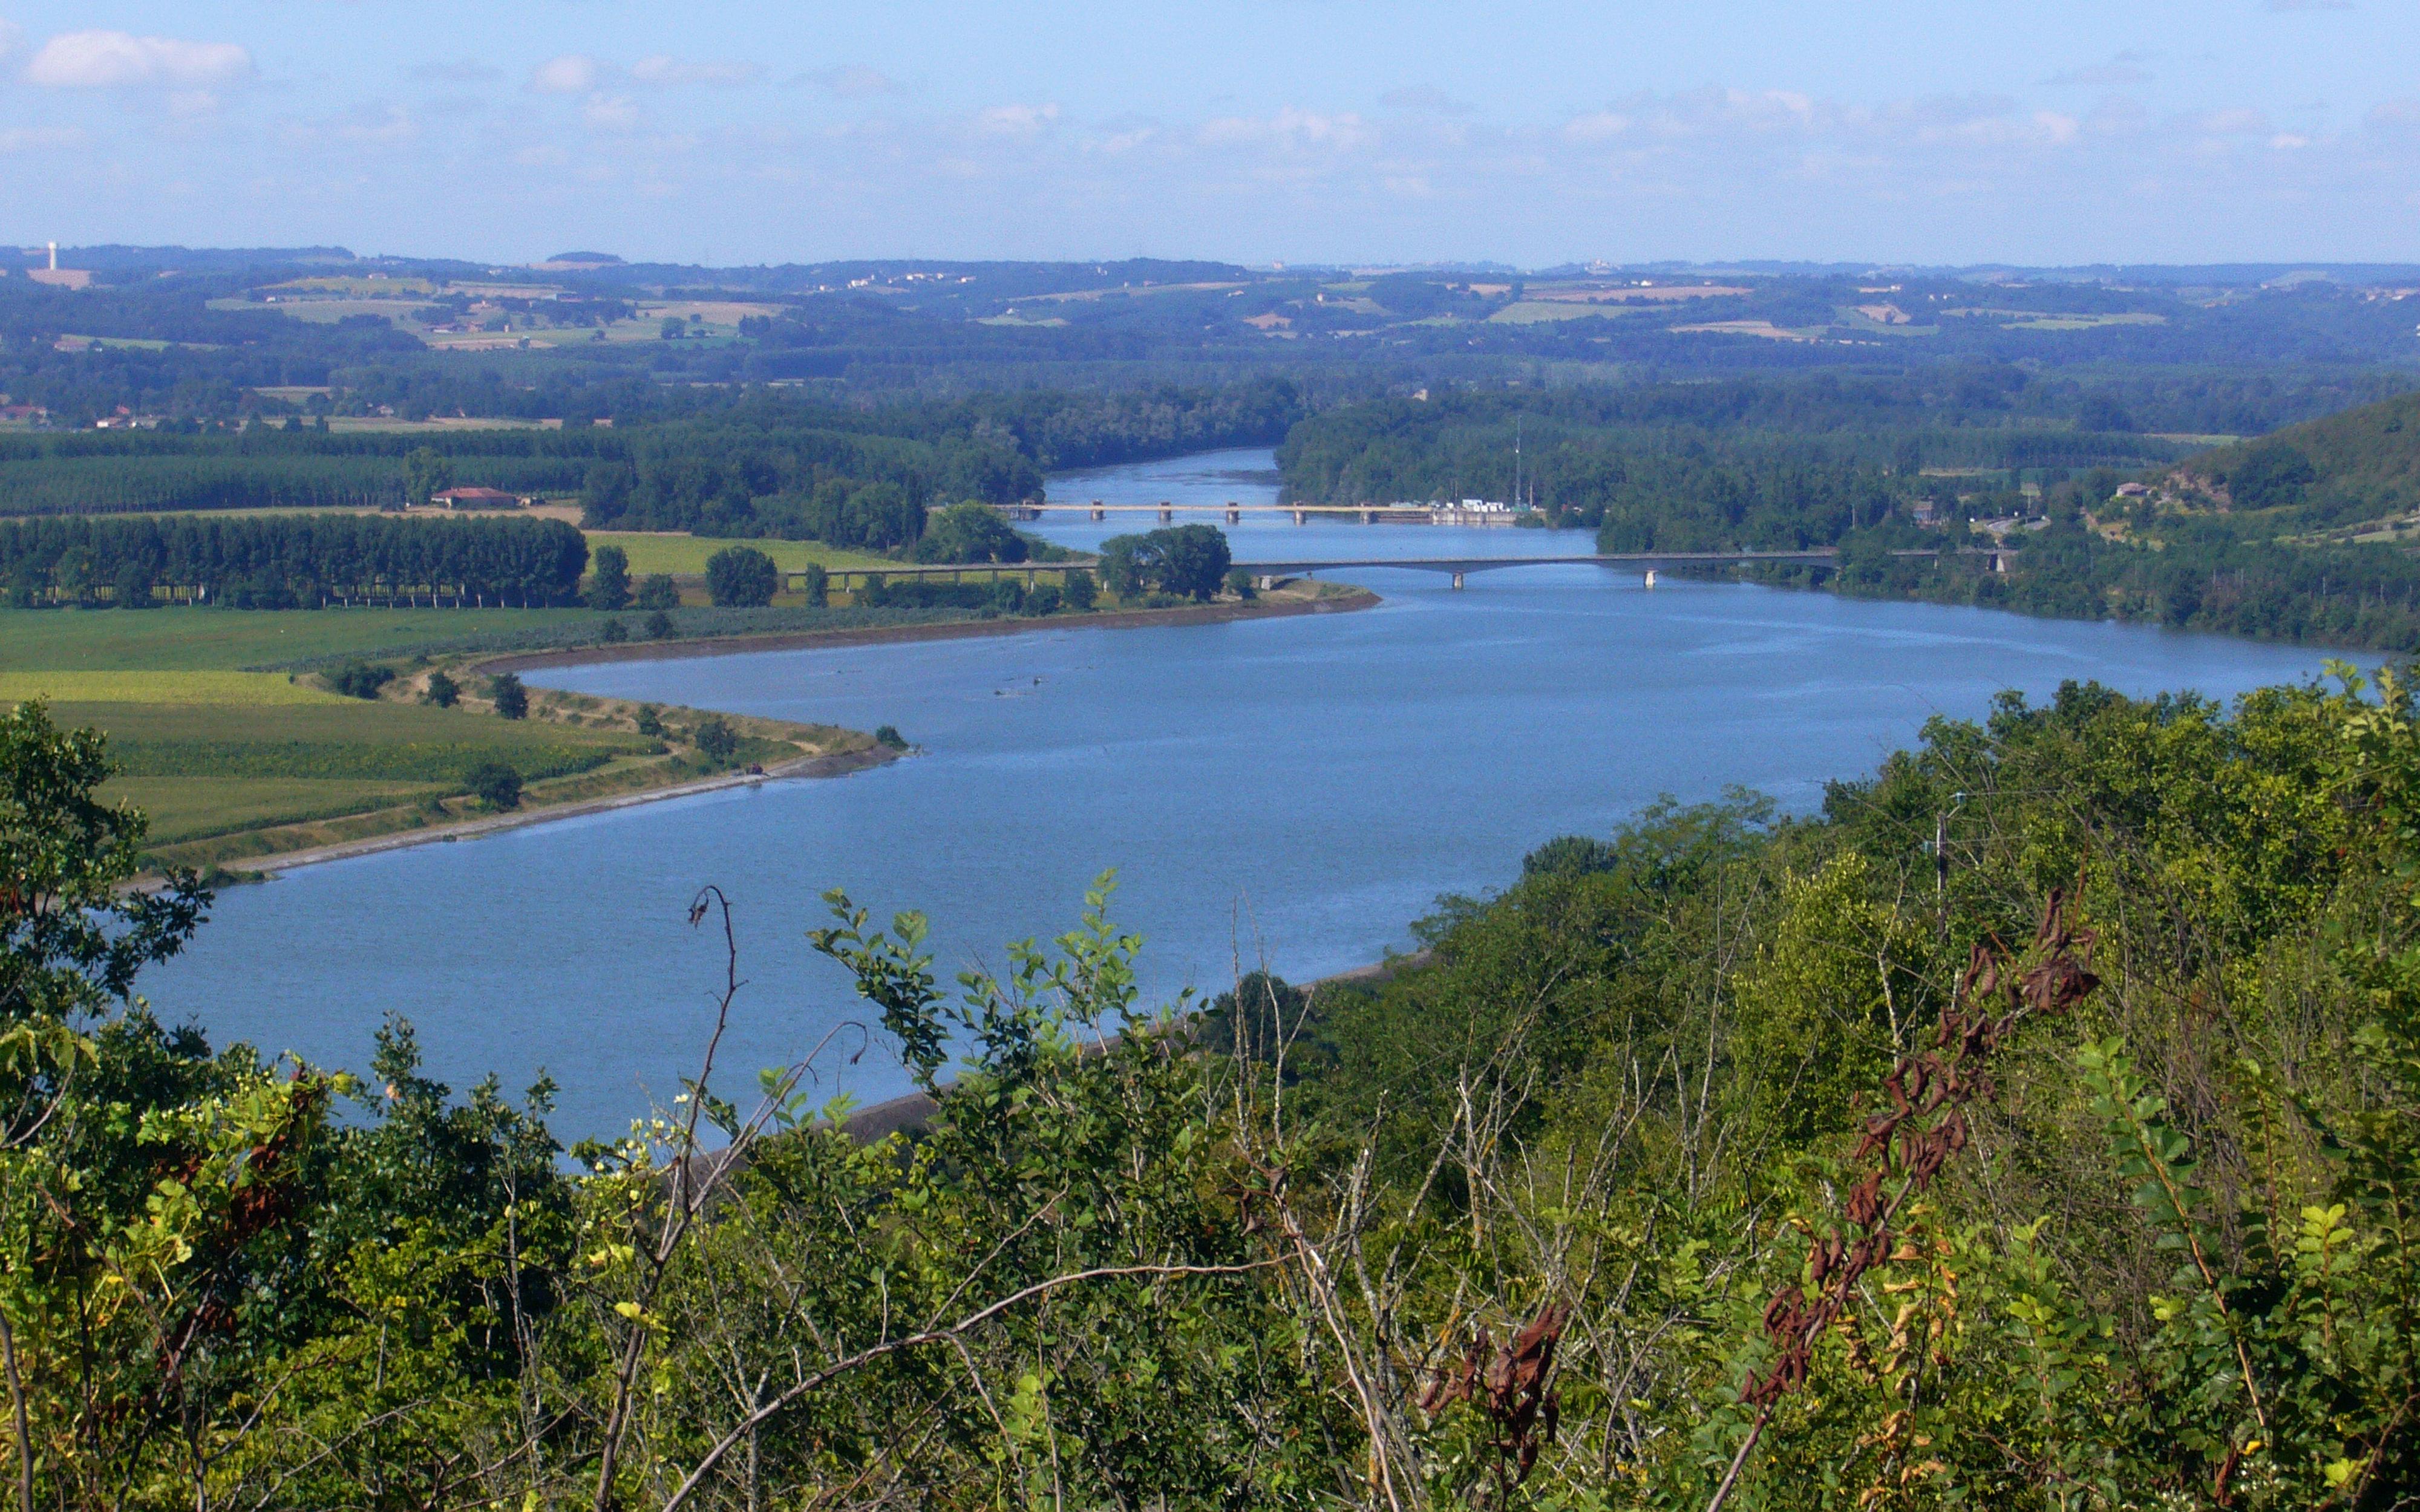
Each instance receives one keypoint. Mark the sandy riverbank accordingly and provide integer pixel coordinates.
(805, 766)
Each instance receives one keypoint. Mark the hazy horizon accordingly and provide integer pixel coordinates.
(1294, 131)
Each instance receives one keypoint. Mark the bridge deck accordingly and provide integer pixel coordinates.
(1822, 555)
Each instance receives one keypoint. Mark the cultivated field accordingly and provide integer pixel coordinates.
(184, 640)
(241, 690)
(685, 555)
(233, 763)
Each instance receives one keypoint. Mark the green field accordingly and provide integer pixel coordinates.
(191, 640)
(251, 689)
(192, 807)
(349, 740)
(200, 769)
(685, 555)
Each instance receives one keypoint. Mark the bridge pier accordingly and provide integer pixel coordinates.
(1651, 577)
(1166, 513)
(1299, 515)
(1234, 516)
(1457, 579)
(1262, 582)
(1369, 517)
(1098, 513)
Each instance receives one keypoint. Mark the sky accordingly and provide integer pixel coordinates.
(1350, 131)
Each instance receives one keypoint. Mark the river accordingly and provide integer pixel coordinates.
(1291, 791)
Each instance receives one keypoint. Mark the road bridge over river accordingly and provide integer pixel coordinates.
(1265, 573)
(1643, 561)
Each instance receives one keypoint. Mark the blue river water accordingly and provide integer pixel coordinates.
(1292, 791)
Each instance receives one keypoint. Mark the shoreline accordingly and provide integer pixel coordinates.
(739, 645)
(907, 1113)
(805, 767)
(840, 764)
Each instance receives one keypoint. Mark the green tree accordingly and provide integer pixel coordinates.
(741, 576)
(1126, 565)
(659, 627)
(511, 698)
(426, 472)
(816, 584)
(716, 740)
(79, 575)
(441, 690)
(29, 586)
(609, 578)
(657, 592)
(358, 679)
(1192, 560)
(131, 586)
(970, 532)
(1080, 590)
(494, 784)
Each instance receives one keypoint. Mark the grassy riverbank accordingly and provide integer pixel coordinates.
(230, 732)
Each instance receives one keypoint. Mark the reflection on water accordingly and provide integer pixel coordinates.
(1293, 791)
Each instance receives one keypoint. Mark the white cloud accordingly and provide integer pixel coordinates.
(11, 37)
(572, 73)
(1291, 130)
(2238, 121)
(664, 70)
(118, 60)
(611, 113)
(1016, 120)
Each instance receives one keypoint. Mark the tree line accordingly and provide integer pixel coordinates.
(2202, 576)
(1726, 1160)
(1720, 463)
(291, 561)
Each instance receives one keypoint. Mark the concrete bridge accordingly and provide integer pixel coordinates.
(1646, 562)
(1166, 512)
(1265, 573)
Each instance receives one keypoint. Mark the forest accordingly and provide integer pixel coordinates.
(2202, 575)
(1727, 1160)
(291, 561)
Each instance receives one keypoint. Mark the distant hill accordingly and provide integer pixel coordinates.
(114, 257)
(2361, 464)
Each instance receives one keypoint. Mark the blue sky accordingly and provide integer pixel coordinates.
(1336, 131)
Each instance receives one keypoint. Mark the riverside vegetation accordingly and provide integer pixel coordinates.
(1728, 1160)
(288, 680)
(2299, 535)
